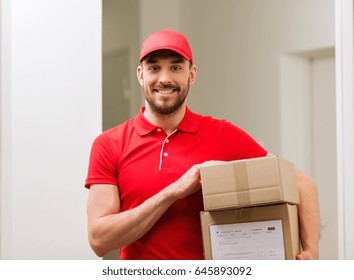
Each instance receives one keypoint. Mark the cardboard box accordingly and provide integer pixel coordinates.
(252, 233)
(243, 183)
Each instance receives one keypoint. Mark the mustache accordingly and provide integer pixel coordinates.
(167, 86)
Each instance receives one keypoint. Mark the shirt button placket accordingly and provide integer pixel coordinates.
(164, 153)
(166, 142)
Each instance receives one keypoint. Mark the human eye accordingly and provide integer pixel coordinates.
(153, 68)
(176, 68)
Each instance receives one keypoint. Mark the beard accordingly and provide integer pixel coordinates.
(166, 108)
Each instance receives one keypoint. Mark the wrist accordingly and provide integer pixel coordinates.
(171, 193)
(312, 250)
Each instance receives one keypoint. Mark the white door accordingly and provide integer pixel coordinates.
(308, 131)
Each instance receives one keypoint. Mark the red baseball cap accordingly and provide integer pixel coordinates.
(167, 40)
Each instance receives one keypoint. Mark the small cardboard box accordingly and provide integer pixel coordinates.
(252, 233)
(244, 183)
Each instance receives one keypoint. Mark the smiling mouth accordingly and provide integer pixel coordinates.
(164, 91)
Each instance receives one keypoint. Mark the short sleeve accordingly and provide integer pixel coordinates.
(103, 163)
(239, 144)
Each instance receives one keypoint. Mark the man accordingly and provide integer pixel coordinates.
(144, 178)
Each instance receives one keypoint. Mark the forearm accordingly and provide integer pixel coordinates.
(309, 214)
(109, 228)
(117, 230)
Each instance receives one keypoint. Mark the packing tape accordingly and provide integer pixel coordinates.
(240, 174)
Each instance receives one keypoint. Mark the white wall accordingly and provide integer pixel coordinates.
(53, 115)
(5, 128)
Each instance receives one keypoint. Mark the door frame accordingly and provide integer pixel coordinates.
(345, 125)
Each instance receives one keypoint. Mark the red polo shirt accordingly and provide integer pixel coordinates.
(141, 159)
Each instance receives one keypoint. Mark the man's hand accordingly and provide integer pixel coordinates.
(188, 184)
(305, 255)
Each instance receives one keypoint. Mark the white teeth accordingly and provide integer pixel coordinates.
(165, 91)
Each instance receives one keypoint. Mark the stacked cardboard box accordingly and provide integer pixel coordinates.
(250, 209)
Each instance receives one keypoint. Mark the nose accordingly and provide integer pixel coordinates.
(164, 78)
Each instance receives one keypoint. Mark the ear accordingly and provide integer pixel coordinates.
(192, 74)
(139, 74)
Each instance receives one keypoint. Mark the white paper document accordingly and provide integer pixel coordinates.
(248, 241)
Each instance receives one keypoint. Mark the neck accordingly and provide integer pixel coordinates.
(168, 122)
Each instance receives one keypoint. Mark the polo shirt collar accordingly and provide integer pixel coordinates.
(143, 126)
(190, 122)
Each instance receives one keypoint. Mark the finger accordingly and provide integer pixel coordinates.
(304, 255)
